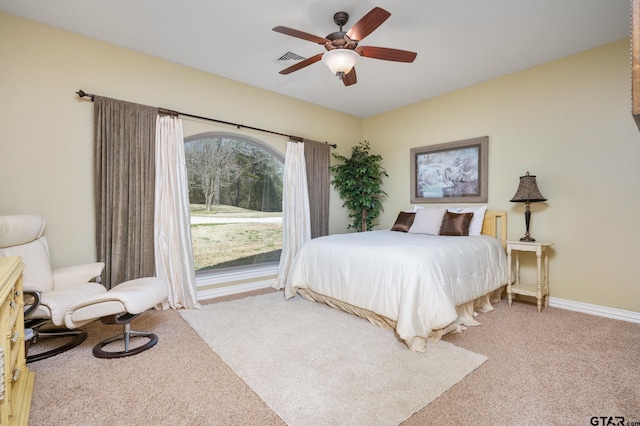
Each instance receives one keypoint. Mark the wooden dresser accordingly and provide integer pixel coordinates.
(16, 385)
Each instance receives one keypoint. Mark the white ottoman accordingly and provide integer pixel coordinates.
(120, 305)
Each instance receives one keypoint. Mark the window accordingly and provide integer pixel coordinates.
(235, 196)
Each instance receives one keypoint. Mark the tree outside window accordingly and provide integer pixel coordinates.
(235, 195)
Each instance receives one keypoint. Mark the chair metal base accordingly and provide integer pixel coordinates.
(126, 336)
(32, 300)
(78, 336)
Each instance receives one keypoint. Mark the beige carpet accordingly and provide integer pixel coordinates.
(555, 367)
(314, 365)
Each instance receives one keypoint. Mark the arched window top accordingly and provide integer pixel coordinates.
(237, 137)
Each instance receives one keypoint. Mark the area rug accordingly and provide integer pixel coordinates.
(315, 365)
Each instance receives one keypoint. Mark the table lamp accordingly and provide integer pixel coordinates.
(527, 193)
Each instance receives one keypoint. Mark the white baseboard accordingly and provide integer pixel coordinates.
(235, 280)
(212, 293)
(601, 311)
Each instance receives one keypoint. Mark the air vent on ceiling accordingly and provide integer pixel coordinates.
(289, 58)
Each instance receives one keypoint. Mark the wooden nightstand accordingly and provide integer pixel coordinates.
(541, 289)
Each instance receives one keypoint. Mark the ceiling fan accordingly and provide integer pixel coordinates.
(342, 47)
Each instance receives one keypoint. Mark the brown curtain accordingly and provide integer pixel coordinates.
(124, 179)
(316, 155)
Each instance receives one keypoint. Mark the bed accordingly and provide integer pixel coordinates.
(423, 286)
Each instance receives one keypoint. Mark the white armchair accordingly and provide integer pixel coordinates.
(62, 300)
(51, 291)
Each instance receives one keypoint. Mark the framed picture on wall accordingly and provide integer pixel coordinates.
(452, 172)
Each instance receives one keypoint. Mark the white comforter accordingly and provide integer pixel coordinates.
(414, 279)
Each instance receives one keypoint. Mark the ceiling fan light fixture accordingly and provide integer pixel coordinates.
(340, 61)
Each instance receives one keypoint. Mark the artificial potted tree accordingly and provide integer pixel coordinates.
(358, 180)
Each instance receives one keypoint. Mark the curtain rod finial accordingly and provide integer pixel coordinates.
(82, 94)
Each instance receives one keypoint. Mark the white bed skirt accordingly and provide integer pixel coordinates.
(466, 315)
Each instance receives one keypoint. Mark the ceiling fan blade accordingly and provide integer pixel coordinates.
(386, 54)
(350, 78)
(311, 60)
(300, 34)
(368, 23)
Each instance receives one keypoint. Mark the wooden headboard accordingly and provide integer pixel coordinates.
(495, 225)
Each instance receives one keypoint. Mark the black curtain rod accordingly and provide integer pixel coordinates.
(166, 111)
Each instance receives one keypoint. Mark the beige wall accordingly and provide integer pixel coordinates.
(47, 131)
(569, 123)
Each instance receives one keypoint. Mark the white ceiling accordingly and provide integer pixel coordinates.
(459, 42)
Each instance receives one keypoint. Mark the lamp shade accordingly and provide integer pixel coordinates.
(340, 60)
(528, 191)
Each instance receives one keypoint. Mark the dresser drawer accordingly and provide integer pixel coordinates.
(10, 310)
(16, 381)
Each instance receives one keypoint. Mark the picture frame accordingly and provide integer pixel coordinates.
(451, 172)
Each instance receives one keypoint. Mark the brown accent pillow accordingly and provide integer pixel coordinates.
(456, 224)
(403, 222)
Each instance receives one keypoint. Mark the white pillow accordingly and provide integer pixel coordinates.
(428, 221)
(475, 227)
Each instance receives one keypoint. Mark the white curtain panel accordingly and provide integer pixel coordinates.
(296, 221)
(173, 249)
